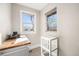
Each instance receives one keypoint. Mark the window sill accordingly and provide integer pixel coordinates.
(28, 32)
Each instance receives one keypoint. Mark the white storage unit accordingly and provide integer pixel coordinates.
(49, 46)
(17, 51)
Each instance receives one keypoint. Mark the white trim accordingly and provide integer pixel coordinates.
(31, 13)
(28, 12)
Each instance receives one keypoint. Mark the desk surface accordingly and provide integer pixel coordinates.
(11, 44)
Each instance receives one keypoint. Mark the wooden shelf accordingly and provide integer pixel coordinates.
(11, 44)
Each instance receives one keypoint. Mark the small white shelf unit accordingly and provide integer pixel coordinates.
(49, 46)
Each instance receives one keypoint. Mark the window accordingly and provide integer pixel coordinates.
(27, 22)
(52, 20)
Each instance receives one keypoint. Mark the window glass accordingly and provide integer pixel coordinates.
(27, 22)
(52, 22)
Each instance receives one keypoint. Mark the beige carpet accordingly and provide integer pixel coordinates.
(35, 52)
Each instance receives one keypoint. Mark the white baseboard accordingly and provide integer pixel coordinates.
(35, 46)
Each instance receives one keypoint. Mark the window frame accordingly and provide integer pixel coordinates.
(21, 22)
(49, 13)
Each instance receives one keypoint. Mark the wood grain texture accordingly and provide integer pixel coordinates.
(11, 44)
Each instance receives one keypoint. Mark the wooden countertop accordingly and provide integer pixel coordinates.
(11, 44)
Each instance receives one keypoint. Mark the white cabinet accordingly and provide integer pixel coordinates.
(17, 51)
(49, 46)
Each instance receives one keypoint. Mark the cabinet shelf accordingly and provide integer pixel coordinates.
(45, 48)
(49, 45)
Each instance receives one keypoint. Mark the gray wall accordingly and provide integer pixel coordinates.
(44, 32)
(35, 37)
(68, 27)
(5, 20)
(68, 15)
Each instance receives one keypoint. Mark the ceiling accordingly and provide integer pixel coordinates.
(37, 6)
